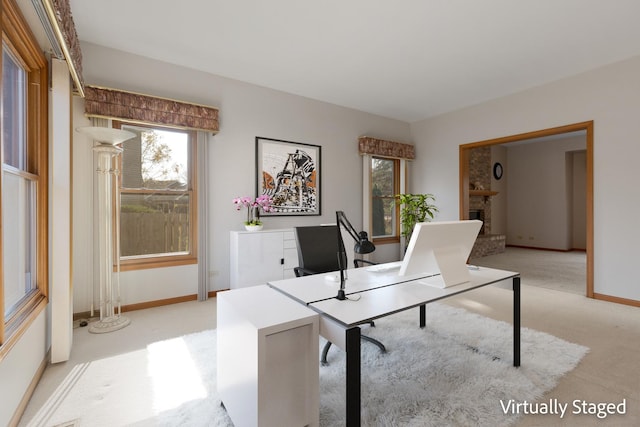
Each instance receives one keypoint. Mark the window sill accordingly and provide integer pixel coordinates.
(149, 263)
(386, 240)
(25, 321)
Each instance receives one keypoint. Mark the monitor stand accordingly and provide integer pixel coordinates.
(453, 270)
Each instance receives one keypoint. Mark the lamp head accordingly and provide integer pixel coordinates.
(363, 246)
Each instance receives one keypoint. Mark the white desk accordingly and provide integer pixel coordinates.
(372, 295)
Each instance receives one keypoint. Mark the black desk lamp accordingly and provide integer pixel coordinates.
(362, 246)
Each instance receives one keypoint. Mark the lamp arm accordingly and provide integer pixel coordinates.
(341, 218)
(363, 246)
(342, 258)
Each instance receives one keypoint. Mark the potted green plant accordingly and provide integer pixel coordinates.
(414, 208)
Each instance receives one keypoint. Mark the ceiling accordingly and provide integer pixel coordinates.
(406, 59)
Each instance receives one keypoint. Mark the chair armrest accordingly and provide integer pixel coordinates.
(359, 262)
(301, 271)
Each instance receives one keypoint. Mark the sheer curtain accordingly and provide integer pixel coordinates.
(202, 149)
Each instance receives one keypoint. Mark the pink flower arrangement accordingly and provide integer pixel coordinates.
(261, 203)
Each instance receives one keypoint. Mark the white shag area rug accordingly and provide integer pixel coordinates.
(455, 372)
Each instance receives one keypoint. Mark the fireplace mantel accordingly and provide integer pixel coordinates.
(485, 193)
(482, 193)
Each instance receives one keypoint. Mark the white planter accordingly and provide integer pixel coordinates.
(253, 227)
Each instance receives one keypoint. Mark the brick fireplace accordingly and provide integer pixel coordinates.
(479, 215)
(480, 203)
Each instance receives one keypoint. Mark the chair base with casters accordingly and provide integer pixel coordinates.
(327, 346)
(299, 272)
(358, 262)
(325, 350)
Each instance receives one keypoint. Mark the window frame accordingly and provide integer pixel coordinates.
(141, 262)
(367, 204)
(397, 165)
(18, 37)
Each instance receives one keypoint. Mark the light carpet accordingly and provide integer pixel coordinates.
(455, 372)
(561, 271)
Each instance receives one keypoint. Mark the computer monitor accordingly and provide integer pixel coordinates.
(441, 247)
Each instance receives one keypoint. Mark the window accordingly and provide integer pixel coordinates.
(23, 185)
(157, 197)
(385, 164)
(385, 184)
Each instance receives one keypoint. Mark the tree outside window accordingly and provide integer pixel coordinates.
(384, 186)
(157, 197)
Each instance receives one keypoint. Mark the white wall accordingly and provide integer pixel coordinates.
(579, 163)
(540, 187)
(20, 365)
(82, 210)
(246, 111)
(609, 96)
(499, 201)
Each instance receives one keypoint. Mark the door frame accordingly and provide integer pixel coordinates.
(587, 126)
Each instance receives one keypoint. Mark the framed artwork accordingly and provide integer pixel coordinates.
(289, 172)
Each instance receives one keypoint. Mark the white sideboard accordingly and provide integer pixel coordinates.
(268, 368)
(260, 256)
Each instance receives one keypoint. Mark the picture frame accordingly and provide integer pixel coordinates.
(290, 173)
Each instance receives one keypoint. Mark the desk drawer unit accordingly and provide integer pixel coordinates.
(268, 368)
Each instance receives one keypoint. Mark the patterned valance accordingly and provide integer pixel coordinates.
(129, 106)
(380, 147)
(57, 13)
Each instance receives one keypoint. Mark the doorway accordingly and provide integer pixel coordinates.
(587, 129)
